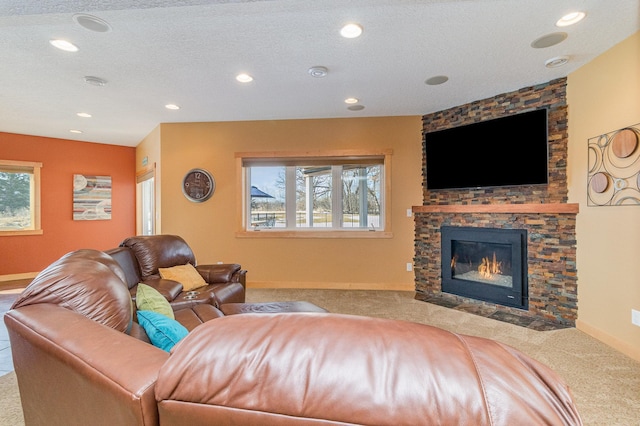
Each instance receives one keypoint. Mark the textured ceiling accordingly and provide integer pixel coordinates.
(188, 53)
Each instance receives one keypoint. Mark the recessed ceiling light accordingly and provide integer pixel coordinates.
(64, 45)
(438, 79)
(548, 40)
(355, 107)
(244, 78)
(318, 72)
(556, 62)
(570, 19)
(172, 106)
(351, 31)
(84, 115)
(351, 101)
(94, 81)
(75, 131)
(92, 23)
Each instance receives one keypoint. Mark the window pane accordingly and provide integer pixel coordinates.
(351, 197)
(267, 209)
(361, 196)
(313, 197)
(16, 201)
(374, 196)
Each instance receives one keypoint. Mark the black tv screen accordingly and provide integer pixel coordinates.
(506, 151)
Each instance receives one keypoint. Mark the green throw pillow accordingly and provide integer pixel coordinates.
(163, 332)
(150, 299)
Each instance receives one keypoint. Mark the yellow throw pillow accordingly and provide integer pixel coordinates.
(150, 299)
(185, 275)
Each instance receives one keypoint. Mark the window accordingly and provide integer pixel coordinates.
(19, 198)
(315, 192)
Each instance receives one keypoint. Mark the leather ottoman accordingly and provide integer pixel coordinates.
(269, 307)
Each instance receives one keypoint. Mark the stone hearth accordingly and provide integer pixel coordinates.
(490, 311)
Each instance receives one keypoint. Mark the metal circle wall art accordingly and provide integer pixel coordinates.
(614, 168)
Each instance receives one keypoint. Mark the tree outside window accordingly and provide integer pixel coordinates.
(19, 197)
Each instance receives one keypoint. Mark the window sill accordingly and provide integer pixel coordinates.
(271, 233)
(21, 232)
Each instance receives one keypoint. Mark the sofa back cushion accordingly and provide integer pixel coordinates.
(129, 264)
(159, 251)
(86, 281)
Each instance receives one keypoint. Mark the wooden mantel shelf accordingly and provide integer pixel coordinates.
(551, 208)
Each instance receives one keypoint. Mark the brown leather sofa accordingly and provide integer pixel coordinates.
(141, 257)
(77, 362)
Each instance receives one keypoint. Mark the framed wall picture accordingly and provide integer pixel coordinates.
(91, 197)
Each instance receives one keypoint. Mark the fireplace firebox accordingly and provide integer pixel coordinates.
(488, 264)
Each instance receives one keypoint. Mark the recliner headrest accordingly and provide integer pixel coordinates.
(85, 281)
(159, 251)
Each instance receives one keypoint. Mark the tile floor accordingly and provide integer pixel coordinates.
(8, 294)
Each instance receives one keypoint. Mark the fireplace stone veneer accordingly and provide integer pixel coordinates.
(540, 209)
(551, 254)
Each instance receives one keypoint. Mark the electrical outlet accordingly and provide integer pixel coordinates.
(410, 268)
(635, 317)
(409, 213)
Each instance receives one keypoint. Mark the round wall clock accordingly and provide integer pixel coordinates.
(198, 185)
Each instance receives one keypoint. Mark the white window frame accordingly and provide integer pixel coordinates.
(33, 168)
(246, 159)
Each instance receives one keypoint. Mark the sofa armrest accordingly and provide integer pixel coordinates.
(222, 273)
(71, 369)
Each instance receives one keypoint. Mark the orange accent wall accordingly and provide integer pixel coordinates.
(61, 159)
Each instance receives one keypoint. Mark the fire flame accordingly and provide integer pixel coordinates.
(489, 267)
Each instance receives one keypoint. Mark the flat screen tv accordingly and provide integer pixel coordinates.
(506, 151)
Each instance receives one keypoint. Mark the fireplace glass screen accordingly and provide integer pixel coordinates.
(488, 263)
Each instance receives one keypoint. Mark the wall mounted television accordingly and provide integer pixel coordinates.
(506, 151)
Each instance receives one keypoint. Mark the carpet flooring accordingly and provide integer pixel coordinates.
(604, 382)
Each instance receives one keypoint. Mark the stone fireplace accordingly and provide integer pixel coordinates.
(540, 216)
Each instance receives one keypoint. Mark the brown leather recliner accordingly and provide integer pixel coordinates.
(140, 257)
(76, 365)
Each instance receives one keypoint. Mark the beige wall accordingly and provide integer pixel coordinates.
(210, 227)
(603, 96)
